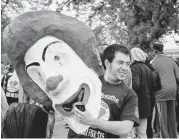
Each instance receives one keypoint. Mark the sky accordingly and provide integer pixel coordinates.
(169, 42)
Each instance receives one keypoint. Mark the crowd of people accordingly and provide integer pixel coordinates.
(139, 89)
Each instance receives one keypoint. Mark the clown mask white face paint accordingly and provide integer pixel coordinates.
(63, 76)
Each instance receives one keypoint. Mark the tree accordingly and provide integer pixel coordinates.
(104, 17)
(148, 20)
(128, 22)
(8, 9)
(134, 22)
(35, 5)
(13, 8)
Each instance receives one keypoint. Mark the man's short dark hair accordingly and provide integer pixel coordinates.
(158, 46)
(110, 51)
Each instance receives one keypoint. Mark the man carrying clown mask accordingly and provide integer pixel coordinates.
(57, 65)
(119, 111)
(56, 62)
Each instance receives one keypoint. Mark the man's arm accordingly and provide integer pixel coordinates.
(114, 127)
(129, 117)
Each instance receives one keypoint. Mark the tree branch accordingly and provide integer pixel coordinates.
(63, 5)
(7, 2)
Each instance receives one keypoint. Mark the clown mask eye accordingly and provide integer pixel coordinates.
(56, 58)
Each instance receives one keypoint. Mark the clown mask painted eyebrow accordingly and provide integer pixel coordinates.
(43, 55)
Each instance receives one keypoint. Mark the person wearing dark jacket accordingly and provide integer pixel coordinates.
(23, 120)
(142, 85)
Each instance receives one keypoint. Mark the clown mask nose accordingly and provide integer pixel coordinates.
(52, 82)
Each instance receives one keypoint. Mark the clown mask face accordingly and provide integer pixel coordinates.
(63, 76)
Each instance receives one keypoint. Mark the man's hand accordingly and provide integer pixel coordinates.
(83, 117)
(114, 127)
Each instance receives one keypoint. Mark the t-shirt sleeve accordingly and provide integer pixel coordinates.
(130, 108)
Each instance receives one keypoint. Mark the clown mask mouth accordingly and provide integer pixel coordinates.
(78, 99)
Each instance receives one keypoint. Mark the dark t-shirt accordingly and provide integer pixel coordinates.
(118, 103)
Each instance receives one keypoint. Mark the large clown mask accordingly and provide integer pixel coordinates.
(55, 61)
(63, 76)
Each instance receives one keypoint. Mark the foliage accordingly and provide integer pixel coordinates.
(135, 22)
(39, 4)
(12, 8)
(104, 17)
(128, 22)
(148, 20)
(9, 8)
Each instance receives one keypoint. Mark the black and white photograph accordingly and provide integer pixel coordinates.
(90, 69)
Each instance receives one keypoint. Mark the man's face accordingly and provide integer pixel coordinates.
(119, 67)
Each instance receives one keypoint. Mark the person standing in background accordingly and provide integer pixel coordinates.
(142, 80)
(23, 120)
(10, 84)
(151, 120)
(166, 96)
